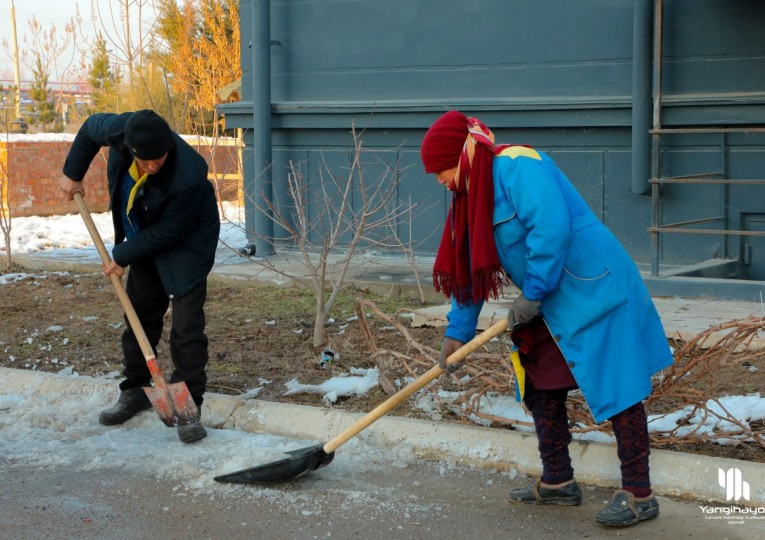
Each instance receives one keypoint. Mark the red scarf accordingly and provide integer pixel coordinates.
(467, 265)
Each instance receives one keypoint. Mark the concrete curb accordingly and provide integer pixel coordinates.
(674, 474)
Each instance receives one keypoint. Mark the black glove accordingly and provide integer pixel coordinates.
(522, 310)
(448, 346)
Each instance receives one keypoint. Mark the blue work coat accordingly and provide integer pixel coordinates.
(593, 300)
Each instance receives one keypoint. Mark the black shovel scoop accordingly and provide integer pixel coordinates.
(305, 460)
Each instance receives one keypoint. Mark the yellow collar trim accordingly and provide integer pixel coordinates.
(139, 181)
(520, 151)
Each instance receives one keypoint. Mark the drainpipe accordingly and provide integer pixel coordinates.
(261, 115)
(642, 46)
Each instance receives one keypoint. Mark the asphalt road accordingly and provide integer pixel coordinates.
(416, 500)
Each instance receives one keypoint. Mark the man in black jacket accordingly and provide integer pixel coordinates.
(166, 228)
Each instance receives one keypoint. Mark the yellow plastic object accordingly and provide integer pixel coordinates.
(520, 375)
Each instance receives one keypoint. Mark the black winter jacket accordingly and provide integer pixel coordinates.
(181, 224)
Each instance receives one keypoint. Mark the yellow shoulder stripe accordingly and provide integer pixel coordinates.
(519, 151)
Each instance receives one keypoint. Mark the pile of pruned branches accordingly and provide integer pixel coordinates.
(685, 394)
(690, 386)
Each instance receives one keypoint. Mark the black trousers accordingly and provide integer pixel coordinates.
(188, 342)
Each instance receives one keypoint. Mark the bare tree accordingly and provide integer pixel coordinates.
(407, 245)
(122, 23)
(55, 47)
(328, 220)
(48, 53)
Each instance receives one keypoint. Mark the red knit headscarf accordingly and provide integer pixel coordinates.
(467, 265)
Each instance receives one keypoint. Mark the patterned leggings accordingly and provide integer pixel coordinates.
(548, 408)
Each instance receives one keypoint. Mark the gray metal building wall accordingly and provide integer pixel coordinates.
(554, 74)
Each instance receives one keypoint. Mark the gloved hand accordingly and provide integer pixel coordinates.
(448, 346)
(521, 311)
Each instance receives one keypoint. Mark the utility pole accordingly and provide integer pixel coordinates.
(16, 62)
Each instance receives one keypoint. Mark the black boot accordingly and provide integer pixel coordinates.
(130, 403)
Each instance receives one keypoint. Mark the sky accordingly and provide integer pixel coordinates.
(48, 13)
(59, 429)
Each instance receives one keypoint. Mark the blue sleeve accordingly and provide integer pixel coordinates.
(462, 320)
(533, 189)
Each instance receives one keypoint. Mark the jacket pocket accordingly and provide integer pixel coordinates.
(586, 294)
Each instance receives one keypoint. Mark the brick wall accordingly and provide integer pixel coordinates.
(32, 166)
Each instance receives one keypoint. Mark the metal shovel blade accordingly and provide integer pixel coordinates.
(300, 462)
(173, 404)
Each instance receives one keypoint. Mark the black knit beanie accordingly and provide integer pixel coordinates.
(147, 135)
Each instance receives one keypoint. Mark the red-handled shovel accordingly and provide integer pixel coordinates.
(309, 459)
(173, 402)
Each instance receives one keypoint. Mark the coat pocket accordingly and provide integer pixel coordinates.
(587, 291)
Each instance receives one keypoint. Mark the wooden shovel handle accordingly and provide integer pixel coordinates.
(135, 323)
(386, 406)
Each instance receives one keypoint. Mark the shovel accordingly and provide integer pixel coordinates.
(173, 402)
(305, 460)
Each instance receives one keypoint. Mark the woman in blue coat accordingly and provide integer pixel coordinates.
(583, 318)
